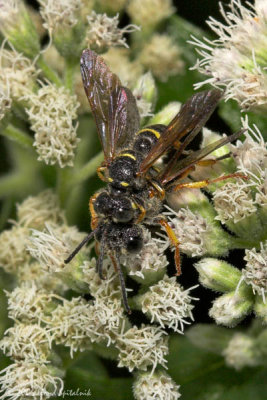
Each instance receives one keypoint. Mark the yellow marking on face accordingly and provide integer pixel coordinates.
(110, 179)
(124, 184)
(156, 133)
(134, 206)
(127, 155)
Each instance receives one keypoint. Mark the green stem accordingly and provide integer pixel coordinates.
(12, 184)
(69, 75)
(87, 170)
(18, 135)
(63, 185)
(48, 72)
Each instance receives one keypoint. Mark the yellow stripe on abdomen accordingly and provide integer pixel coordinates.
(156, 133)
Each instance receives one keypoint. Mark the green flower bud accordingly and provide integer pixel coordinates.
(165, 115)
(217, 274)
(242, 352)
(147, 86)
(260, 308)
(232, 307)
(17, 26)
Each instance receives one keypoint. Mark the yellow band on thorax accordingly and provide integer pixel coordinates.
(128, 155)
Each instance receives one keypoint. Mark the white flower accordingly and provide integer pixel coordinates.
(35, 211)
(61, 13)
(5, 101)
(158, 386)
(28, 379)
(28, 303)
(163, 48)
(168, 304)
(26, 341)
(53, 245)
(241, 352)
(191, 230)
(142, 347)
(51, 113)
(149, 261)
(104, 32)
(234, 60)
(255, 272)
(13, 253)
(148, 13)
(234, 201)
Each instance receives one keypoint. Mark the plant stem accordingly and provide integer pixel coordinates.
(63, 175)
(48, 72)
(69, 75)
(87, 170)
(18, 136)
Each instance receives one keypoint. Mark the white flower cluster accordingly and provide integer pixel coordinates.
(5, 101)
(157, 386)
(168, 304)
(234, 60)
(62, 13)
(148, 13)
(51, 113)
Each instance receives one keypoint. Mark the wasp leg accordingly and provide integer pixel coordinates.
(206, 182)
(142, 212)
(94, 221)
(100, 174)
(116, 264)
(99, 263)
(175, 242)
(157, 190)
(78, 248)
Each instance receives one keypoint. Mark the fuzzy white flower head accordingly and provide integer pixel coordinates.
(27, 341)
(51, 113)
(158, 386)
(18, 74)
(27, 302)
(13, 253)
(145, 93)
(251, 154)
(168, 304)
(61, 13)
(162, 47)
(255, 273)
(29, 379)
(35, 211)
(191, 229)
(241, 352)
(119, 62)
(234, 202)
(77, 323)
(107, 288)
(234, 60)
(5, 101)
(142, 347)
(151, 259)
(104, 32)
(148, 13)
(52, 246)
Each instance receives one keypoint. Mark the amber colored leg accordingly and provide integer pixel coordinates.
(175, 242)
(157, 190)
(206, 182)
(142, 213)
(100, 171)
(94, 221)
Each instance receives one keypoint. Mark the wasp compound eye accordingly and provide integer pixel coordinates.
(134, 241)
(122, 210)
(102, 204)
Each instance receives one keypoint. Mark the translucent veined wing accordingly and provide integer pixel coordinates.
(190, 119)
(113, 106)
(169, 175)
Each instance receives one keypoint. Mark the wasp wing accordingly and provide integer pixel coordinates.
(113, 106)
(181, 166)
(191, 118)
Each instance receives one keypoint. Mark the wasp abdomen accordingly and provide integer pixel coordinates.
(147, 138)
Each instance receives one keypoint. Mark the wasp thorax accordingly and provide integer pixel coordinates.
(122, 171)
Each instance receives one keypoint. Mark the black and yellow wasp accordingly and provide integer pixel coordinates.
(135, 192)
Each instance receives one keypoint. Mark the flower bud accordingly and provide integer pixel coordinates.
(260, 308)
(230, 308)
(156, 386)
(18, 27)
(145, 92)
(241, 352)
(218, 274)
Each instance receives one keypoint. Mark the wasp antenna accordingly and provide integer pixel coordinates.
(122, 283)
(78, 248)
(99, 264)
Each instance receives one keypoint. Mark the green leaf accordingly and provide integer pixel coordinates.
(204, 376)
(209, 337)
(77, 379)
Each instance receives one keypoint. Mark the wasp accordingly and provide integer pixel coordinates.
(136, 189)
